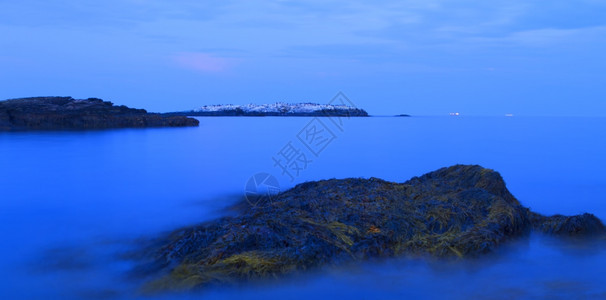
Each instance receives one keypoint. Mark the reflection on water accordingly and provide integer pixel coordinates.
(73, 203)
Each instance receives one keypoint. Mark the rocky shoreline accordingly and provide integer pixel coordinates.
(67, 113)
(461, 211)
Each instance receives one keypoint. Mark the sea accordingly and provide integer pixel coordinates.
(72, 203)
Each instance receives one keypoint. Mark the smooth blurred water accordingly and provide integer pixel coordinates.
(69, 201)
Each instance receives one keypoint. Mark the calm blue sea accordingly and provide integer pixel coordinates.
(70, 202)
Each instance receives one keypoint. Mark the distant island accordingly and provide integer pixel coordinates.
(66, 113)
(276, 109)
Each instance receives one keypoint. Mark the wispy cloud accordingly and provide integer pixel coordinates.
(551, 36)
(543, 38)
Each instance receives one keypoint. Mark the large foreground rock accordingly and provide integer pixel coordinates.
(459, 211)
(60, 113)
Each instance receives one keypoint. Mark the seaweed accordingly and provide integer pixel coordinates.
(456, 212)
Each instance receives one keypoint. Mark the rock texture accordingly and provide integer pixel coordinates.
(61, 113)
(459, 211)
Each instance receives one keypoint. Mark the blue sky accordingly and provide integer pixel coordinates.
(390, 57)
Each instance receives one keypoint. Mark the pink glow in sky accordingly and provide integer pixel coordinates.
(203, 62)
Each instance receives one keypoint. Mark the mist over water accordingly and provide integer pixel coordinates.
(71, 202)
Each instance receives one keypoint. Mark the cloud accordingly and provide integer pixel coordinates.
(551, 36)
(203, 62)
(544, 38)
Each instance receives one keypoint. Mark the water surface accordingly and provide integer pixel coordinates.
(71, 200)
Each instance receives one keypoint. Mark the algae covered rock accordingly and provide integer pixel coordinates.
(463, 210)
(580, 225)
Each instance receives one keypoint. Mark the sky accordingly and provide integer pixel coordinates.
(430, 57)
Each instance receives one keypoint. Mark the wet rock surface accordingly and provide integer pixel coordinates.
(580, 225)
(64, 113)
(459, 211)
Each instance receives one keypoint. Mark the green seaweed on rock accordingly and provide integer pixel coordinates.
(459, 211)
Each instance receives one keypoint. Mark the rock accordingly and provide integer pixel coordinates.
(581, 225)
(60, 113)
(459, 211)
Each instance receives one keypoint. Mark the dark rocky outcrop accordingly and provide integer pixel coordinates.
(459, 211)
(580, 225)
(61, 113)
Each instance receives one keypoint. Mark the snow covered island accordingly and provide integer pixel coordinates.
(276, 109)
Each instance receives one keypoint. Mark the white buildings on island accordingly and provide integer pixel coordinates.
(279, 107)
